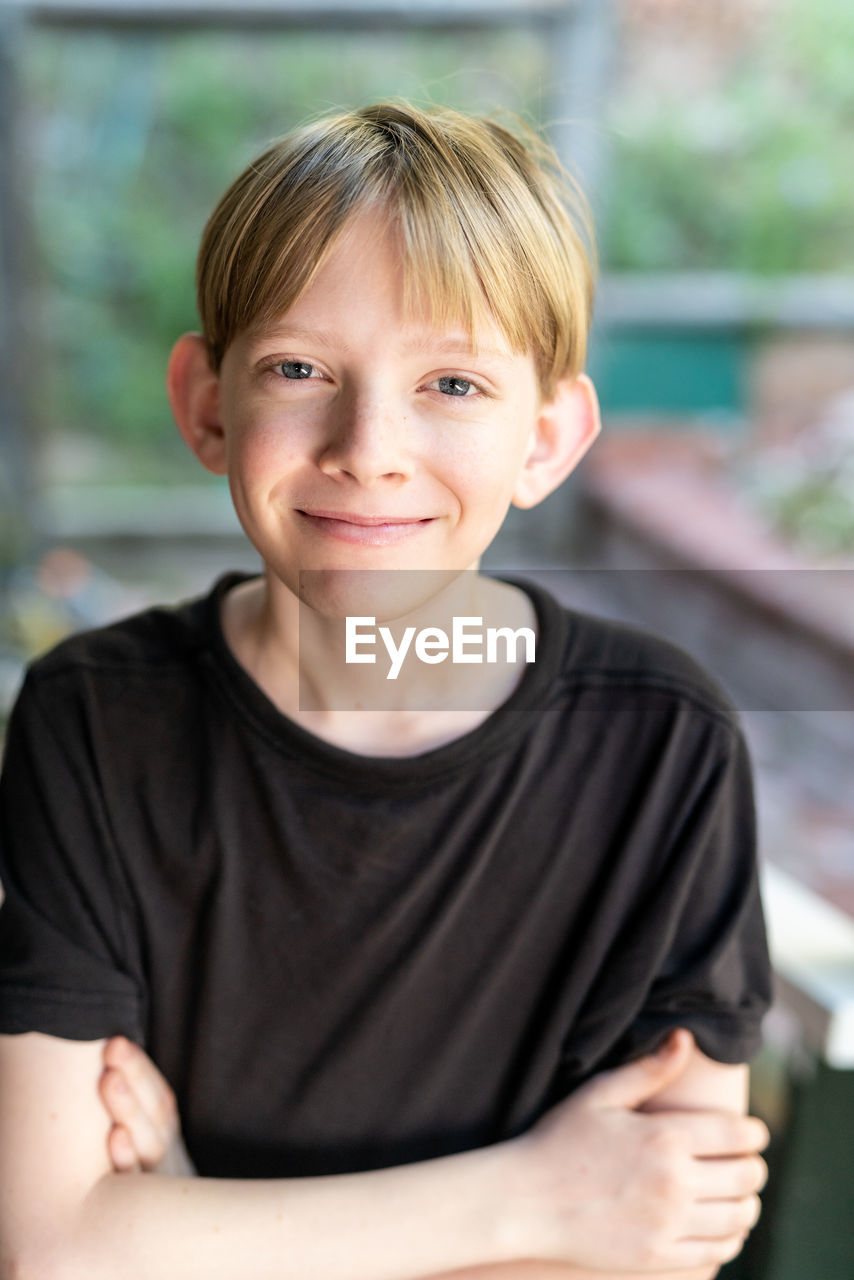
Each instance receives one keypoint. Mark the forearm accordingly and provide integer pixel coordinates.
(393, 1224)
(592, 1181)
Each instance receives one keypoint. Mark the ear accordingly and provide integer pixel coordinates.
(193, 388)
(564, 430)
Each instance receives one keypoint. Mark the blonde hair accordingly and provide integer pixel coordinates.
(489, 222)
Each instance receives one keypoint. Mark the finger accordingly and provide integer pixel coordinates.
(149, 1086)
(125, 1110)
(719, 1133)
(722, 1219)
(693, 1254)
(117, 1051)
(724, 1179)
(636, 1082)
(120, 1147)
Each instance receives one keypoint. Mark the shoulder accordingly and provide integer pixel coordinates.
(153, 637)
(161, 636)
(615, 654)
(628, 665)
(128, 666)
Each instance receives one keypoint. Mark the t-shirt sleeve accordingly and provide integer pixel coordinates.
(701, 928)
(65, 916)
(688, 945)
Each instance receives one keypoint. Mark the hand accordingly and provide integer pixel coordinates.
(604, 1186)
(146, 1132)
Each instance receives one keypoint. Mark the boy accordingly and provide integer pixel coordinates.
(408, 960)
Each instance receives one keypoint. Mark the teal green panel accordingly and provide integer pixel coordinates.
(669, 371)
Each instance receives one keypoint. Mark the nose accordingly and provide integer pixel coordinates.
(367, 440)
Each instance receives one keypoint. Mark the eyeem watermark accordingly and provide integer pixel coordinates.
(469, 642)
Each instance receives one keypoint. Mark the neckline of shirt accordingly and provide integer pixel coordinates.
(506, 721)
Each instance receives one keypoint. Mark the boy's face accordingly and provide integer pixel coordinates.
(356, 436)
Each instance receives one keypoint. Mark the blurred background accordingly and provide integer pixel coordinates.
(716, 142)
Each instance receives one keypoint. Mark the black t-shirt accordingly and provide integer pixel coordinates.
(343, 962)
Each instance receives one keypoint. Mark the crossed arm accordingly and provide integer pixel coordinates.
(652, 1168)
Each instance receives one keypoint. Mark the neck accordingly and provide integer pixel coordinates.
(298, 654)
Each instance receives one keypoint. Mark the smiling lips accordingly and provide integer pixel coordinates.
(372, 531)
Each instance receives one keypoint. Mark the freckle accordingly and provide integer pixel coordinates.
(53, 1115)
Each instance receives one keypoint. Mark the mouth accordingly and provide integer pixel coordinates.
(376, 531)
(349, 517)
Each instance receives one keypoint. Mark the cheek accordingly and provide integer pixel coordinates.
(486, 466)
(261, 451)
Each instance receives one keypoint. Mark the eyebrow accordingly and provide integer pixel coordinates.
(455, 343)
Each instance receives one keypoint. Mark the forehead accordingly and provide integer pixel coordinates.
(409, 340)
(365, 285)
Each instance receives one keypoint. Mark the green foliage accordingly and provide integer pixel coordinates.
(758, 176)
(805, 490)
(818, 515)
(134, 141)
(134, 138)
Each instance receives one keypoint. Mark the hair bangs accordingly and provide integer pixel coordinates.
(491, 229)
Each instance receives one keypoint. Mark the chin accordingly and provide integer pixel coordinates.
(382, 594)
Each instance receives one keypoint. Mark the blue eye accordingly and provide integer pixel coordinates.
(296, 369)
(455, 386)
